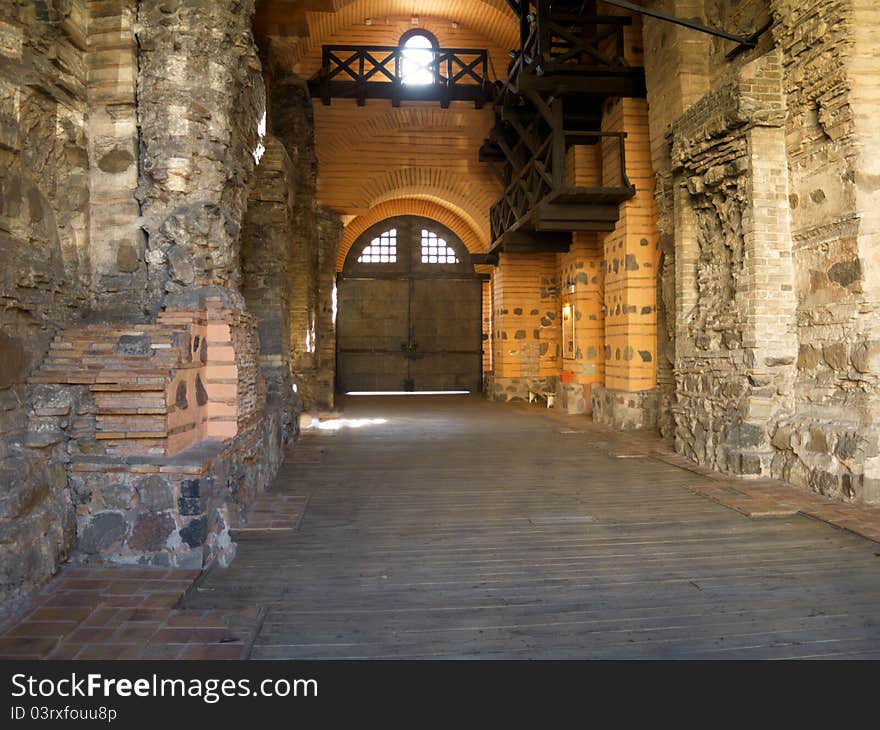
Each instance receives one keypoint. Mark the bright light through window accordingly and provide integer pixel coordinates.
(435, 250)
(418, 55)
(381, 250)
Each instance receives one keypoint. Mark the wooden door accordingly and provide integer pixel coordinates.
(409, 308)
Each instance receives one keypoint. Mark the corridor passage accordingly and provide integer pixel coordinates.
(449, 527)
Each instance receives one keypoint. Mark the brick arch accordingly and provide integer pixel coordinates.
(470, 196)
(409, 206)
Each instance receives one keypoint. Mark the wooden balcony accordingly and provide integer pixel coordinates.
(565, 52)
(377, 72)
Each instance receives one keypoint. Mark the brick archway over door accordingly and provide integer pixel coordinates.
(409, 310)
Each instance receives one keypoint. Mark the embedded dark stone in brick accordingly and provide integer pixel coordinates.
(818, 196)
(191, 488)
(615, 265)
(794, 201)
(202, 394)
(520, 335)
(617, 354)
(195, 533)
(544, 347)
(846, 273)
(534, 312)
(151, 532)
(127, 259)
(484, 336)
(632, 263)
(180, 399)
(505, 311)
(518, 310)
(607, 352)
(545, 321)
(645, 355)
(592, 353)
(102, 532)
(189, 506)
(643, 242)
(536, 334)
(503, 335)
(203, 351)
(155, 493)
(581, 278)
(628, 354)
(748, 435)
(647, 310)
(116, 161)
(14, 359)
(196, 342)
(117, 496)
(630, 309)
(134, 345)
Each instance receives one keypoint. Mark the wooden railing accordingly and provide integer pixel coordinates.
(363, 72)
(559, 43)
(543, 177)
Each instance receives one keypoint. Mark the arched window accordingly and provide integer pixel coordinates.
(417, 58)
(435, 250)
(381, 250)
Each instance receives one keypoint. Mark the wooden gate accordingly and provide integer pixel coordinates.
(409, 308)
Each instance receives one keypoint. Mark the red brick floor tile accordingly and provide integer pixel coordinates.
(109, 651)
(57, 629)
(87, 635)
(190, 636)
(26, 646)
(161, 600)
(68, 613)
(162, 651)
(125, 588)
(73, 598)
(135, 633)
(67, 650)
(217, 651)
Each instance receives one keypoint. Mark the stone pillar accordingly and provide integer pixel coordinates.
(200, 101)
(527, 326)
(117, 243)
(266, 260)
(329, 238)
(736, 341)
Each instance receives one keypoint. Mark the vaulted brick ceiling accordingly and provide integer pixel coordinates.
(371, 155)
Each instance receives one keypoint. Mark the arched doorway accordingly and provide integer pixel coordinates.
(409, 308)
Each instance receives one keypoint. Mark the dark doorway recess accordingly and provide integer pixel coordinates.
(409, 310)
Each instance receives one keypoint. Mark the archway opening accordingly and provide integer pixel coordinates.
(409, 311)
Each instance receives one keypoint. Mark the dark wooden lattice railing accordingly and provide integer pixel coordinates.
(377, 72)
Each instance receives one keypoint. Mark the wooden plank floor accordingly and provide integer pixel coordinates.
(460, 528)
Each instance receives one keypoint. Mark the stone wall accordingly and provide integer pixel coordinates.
(200, 101)
(316, 236)
(267, 269)
(767, 210)
(44, 201)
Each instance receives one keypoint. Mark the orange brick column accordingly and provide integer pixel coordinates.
(582, 277)
(526, 325)
(628, 399)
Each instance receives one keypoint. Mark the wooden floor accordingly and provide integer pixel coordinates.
(460, 528)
